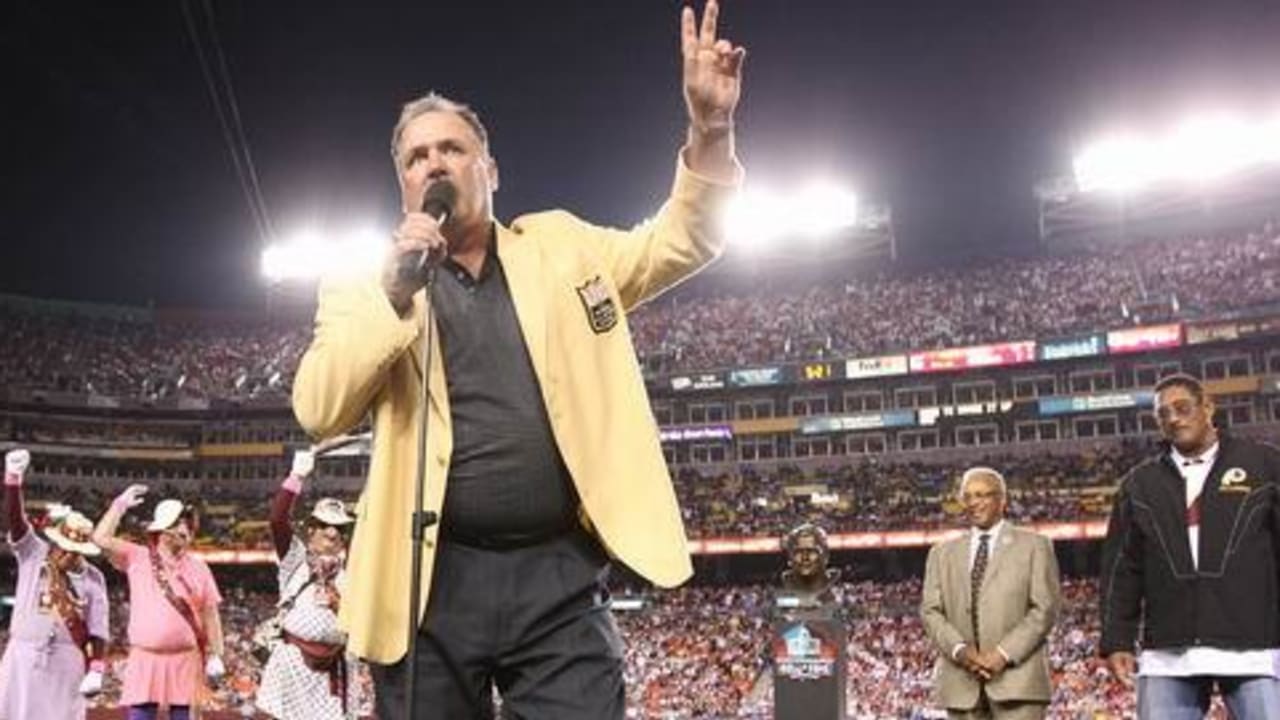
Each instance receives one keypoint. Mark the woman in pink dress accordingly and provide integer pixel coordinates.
(59, 627)
(175, 631)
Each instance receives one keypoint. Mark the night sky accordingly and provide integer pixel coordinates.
(118, 185)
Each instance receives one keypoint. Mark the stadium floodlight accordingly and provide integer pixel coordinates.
(1120, 163)
(1269, 140)
(823, 207)
(308, 255)
(1209, 147)
(755, 218)
(1199, 150)
(759, 217)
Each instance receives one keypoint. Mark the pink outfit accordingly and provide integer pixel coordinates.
(164, 663)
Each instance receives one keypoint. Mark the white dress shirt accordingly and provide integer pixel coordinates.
(992, 533)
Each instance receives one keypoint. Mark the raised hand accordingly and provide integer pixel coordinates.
(304, 462)
(417, 236)
(15, 466)
(131, 497)
(712, 70)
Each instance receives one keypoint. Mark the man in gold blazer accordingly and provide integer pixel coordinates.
(991, 597)
(542, 457)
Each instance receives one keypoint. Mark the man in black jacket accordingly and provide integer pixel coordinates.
(1192, 556)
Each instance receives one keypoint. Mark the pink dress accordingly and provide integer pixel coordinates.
(164, 664)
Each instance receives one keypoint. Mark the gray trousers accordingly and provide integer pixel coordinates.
(533, 622)
(988, 709)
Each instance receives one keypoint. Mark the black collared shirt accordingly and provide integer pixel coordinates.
(507, 482)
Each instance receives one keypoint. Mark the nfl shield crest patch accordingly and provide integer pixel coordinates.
(602, 313)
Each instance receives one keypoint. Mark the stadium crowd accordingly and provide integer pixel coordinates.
(1008, 299)
(55, 347)
(873, 495)
(889, 494)
(150, 359)
(702, 652)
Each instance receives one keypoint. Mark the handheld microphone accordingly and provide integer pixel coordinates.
(439, 199)
(437, 202)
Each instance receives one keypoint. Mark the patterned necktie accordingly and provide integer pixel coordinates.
(975, 584)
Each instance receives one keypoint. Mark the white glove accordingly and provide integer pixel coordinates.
(304, 461)
(131, 497)
(15, 464)
(92, 683)
(214, 669)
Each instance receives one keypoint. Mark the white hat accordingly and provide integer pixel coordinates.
(167, 513)
(331, 511)
(72, 533)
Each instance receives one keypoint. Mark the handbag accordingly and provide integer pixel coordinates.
(269, 633)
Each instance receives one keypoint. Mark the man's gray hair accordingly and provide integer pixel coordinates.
(973, 472)
(435, 102)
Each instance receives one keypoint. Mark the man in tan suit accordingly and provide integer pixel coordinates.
(542, 456)
(991, 597)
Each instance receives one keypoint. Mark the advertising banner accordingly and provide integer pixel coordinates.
(862, 421)
(1148, 337)
(701, 381)
(1064, 348)
(882, 366)
(1063, 405)
(994, 355)
(695, 432)
(755, 377)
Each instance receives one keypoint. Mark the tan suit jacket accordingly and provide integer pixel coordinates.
(1018, 605)
(564, 275)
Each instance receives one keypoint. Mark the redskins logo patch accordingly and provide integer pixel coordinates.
(1235, 480)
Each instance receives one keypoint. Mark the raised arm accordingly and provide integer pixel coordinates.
(712, 87)
(104, 534)
(687, 232)
(286, 497)
(15, 469)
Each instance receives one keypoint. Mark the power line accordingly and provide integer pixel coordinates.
(244, 169)
(236, 124)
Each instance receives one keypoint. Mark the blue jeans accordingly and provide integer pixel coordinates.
(1187, 698)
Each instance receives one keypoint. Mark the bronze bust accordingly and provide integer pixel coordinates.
(807, 577)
